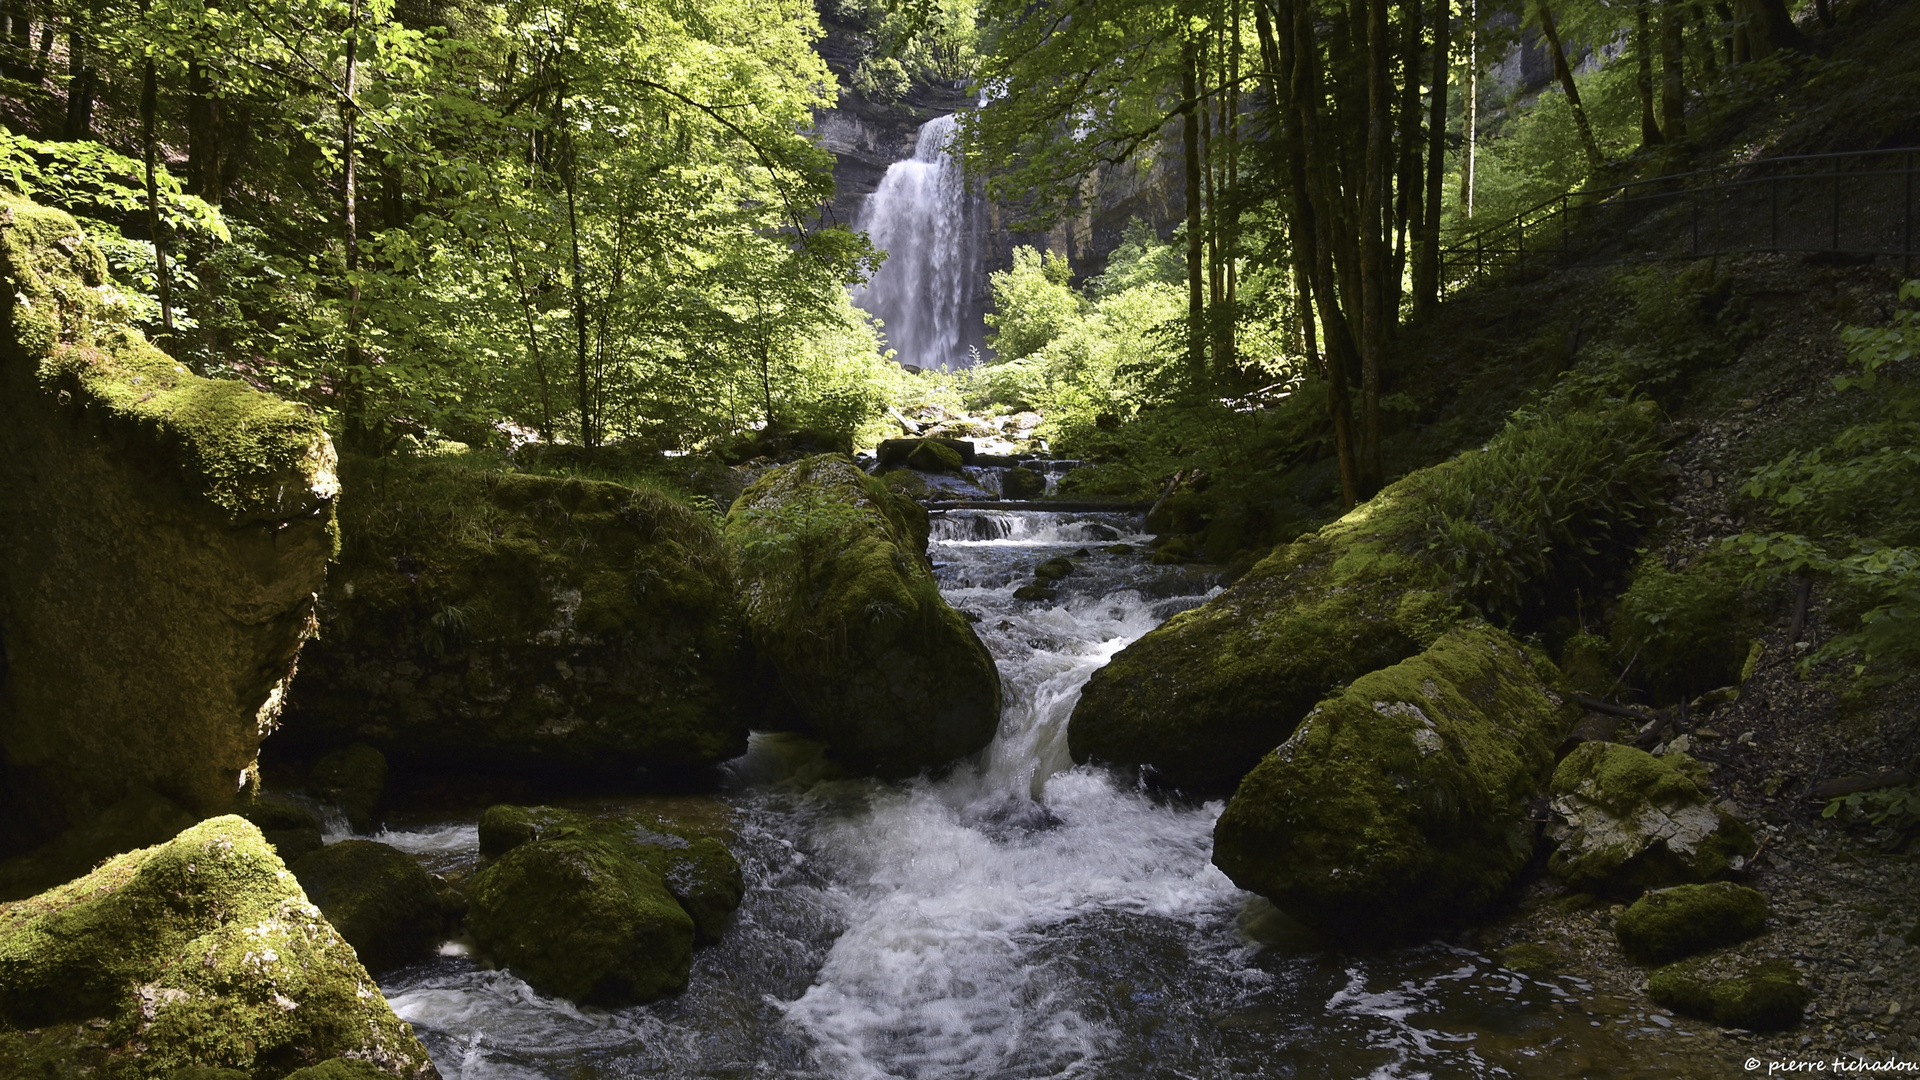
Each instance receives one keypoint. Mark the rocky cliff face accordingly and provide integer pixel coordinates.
(164, 536)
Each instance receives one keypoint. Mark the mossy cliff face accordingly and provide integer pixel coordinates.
(164, 536)
(199, 952)
(598, 910)
(845, 609)
(1628, 821)
(524, 624)
(1548, 507)
(1400, 802)
(1200, 699)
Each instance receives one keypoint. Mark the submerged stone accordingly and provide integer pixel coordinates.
(845, 609)
(199, 952)
(164, 537)
(1400, 802)
(1667, 924)
(1628, 821)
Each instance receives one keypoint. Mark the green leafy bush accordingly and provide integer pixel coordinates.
(1688, 628)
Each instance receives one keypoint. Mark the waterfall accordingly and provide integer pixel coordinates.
(924, 216)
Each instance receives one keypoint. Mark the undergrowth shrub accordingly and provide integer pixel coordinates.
(1686, 630)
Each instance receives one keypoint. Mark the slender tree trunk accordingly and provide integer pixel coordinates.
(1373, 247)
(1473, 105)
(204, 165)
(81, 84)
(156, 223)
(1643, 50)
(1407, 198)
(1229, 359)
(360, 427)
(1564, 72)
(584, 387)
(1673, 87)
(1196, 285)
(1426, 260)
(1709, 64)
(533, 333)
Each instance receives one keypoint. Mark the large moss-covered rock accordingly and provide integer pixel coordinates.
(844, 606)
(1767, 996)
(379, 899)
(1667, 924)
(525, 624)
(164, 537)
(199, 952)
(142, 819)
(696, 866)
(576, 917)
(1628, 821)
(1513, 530)
(1400, 802)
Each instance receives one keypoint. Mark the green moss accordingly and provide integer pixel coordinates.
(932, 455)
(199, 952)
(1768, 996)
(379, 899)
(1636, 822)
(1400, 802)
(1671, 923)
(505, 827)
(338, 1069)
(574, 917)
(293, 828)
(352, 778)
(1530, 959)
(1053, 569)
(1587, 662)
(845, 608)
(906, 482)
(525, 624)
(252, 454)
(1691, 629)
(1022, 484)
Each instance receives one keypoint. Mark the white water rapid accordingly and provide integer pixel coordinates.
(928, 221)
(1018, 918)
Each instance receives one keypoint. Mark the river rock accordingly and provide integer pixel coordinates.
(164, 537)
(525, 624)
(142, 819)
(1667, 924)
(1627, 821)
(845, 608)
(1203, 697)
(352, 778)
(1767, 996)
(291, 825)
(199, 952)
(379, 899)
(577, 917)
(898, 453)
(1022, 484)
(1400, 802)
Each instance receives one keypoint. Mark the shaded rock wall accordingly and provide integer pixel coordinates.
(164, 536)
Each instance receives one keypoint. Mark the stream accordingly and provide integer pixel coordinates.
(1019, 917)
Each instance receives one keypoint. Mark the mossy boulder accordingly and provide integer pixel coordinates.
(1667, 924)
(1767, 996)
(844, 607)
(934, 455)
(164, 536)
(1053, 569)
(291, 825)
(895, 453)
(1400, 803)
(696, 866)
(1547, 508)
(525, 624)
(580, 918)
(142, 819)
(352, 778)
(1022, 485)
(1628, 821)
(201, 952)
(340, 1068)
(379, 899)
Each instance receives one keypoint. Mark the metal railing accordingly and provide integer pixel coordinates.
(1855, 205)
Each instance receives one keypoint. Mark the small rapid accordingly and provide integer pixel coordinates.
(1018, 917)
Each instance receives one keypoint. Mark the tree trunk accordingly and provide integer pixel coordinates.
(81, 85)
(1643, 50)
(1407, 201)
(1196, 284)
(1564, 72)
(156, 224)
(360, 427)
(1373, 247)
(1673, 87)
(1426, 259)
(1229, 354)
(589, 438)
(1769, 29)
(1473, 105)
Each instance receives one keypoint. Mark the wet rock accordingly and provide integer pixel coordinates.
(1767, 996)
(352, 778)
(339, 1068)
(526, 625)
(291, 826)
(1022, 484)
(895, 453)
(1667, 924)
(1400, 803)
(142, 819)
(576, 917)
(1035, 592)
(379, 899)
(202, 951)
(1628, 821)
(1053, 569)
(845, 609)
(164, 536)
(936, 456)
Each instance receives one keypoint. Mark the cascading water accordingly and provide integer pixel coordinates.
(1019, 917)
(927, 219)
